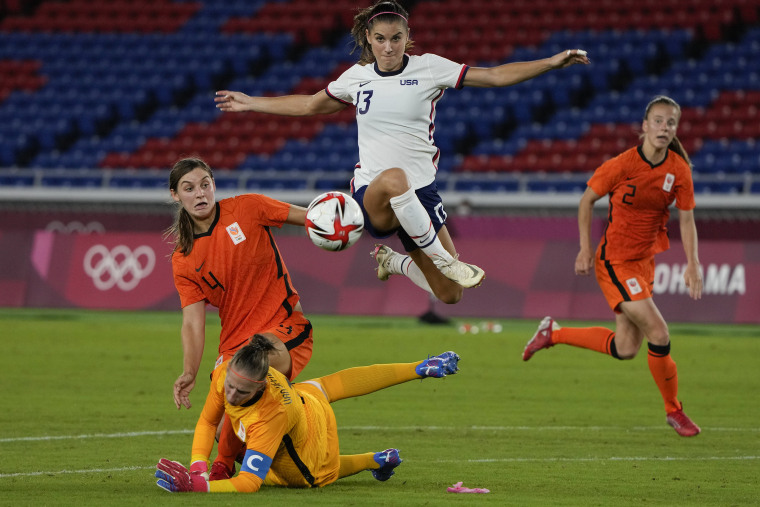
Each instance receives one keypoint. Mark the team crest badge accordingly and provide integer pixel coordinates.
(241, 432)
(668, 184)
(236, 233)
(633, 285)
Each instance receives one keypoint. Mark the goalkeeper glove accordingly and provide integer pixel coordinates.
(174, 477)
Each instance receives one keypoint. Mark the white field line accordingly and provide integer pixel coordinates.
(617, 429)
(495, 460)
(85, 471)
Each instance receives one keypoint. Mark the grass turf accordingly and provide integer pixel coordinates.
(87, 412)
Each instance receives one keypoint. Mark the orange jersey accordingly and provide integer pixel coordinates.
(289, 430)
(237, 267)
(639, 196)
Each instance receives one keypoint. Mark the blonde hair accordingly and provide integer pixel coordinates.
(675, 145)
(383, 10)
(253, 359)
(181, 231)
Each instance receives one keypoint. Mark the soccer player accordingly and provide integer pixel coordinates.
(289, 430)
(225, 255)
(395, 96)
(642, 183)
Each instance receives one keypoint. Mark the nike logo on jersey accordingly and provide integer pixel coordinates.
(198, 269)
(364, 83)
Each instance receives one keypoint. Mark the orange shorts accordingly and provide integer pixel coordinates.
(296, 333)
(625, 280)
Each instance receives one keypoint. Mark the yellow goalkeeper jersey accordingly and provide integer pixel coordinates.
(289, 430)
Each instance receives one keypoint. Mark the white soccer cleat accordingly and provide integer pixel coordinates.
(383, 255)
(466, 275)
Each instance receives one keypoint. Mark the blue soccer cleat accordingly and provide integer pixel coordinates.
(388, 460)
(439, 366)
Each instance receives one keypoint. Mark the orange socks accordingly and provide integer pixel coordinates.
(599, 339)
(665, 375)
(351, 464)
(366, 379)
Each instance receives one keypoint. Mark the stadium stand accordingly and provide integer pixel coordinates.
(109, 94)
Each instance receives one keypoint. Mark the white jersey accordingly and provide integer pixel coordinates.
(395, 114)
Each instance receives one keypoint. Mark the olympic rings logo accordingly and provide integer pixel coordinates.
(119, 266)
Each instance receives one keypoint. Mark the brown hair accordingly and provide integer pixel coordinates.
(182, 228)
(252, 360)
(675, 145)
(383, 10)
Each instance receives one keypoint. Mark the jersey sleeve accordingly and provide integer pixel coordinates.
(205, 428)
(446, 73)
(189, 291)
(339, 89)
(262, 441)
(264, 210)
(606, 176)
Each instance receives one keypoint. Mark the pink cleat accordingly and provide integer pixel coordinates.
(542, 339)
(458, 488)
(682, 424)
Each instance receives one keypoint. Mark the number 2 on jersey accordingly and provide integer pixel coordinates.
(626, 196)
(362, 109)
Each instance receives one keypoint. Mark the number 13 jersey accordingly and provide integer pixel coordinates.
(395, 114)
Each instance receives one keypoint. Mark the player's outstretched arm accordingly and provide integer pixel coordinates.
(517, 72)
(296, 215)
(287, 105)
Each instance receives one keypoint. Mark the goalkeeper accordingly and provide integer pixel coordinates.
(289, 430)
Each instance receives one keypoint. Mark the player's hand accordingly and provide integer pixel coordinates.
(199, 468)
(569, 57)
(584, 262)
(692, 277)
(182, 387)
(229, 101)
(175, 478)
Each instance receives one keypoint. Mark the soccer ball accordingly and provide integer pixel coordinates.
(334, 221)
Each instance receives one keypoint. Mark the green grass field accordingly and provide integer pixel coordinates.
(87, 411)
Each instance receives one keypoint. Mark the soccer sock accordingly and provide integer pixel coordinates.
(417, 224)
(229, 445)
(351, 464)
(665, 375)
(366, 379)
(414, 273)
(599, 339)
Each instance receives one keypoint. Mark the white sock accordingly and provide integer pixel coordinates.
(407, 267)
(417, 224)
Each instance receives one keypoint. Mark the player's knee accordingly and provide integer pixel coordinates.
(393, 181)
(450, 296)
(623, 350)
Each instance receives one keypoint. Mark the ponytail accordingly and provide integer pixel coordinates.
(252, 360)
(676, 146)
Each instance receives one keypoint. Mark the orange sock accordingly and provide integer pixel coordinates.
(229, 445)
(366, 379)
(665, 375)
(599, 339)
(351, 464)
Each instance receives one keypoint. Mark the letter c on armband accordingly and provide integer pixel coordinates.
(256, 463)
